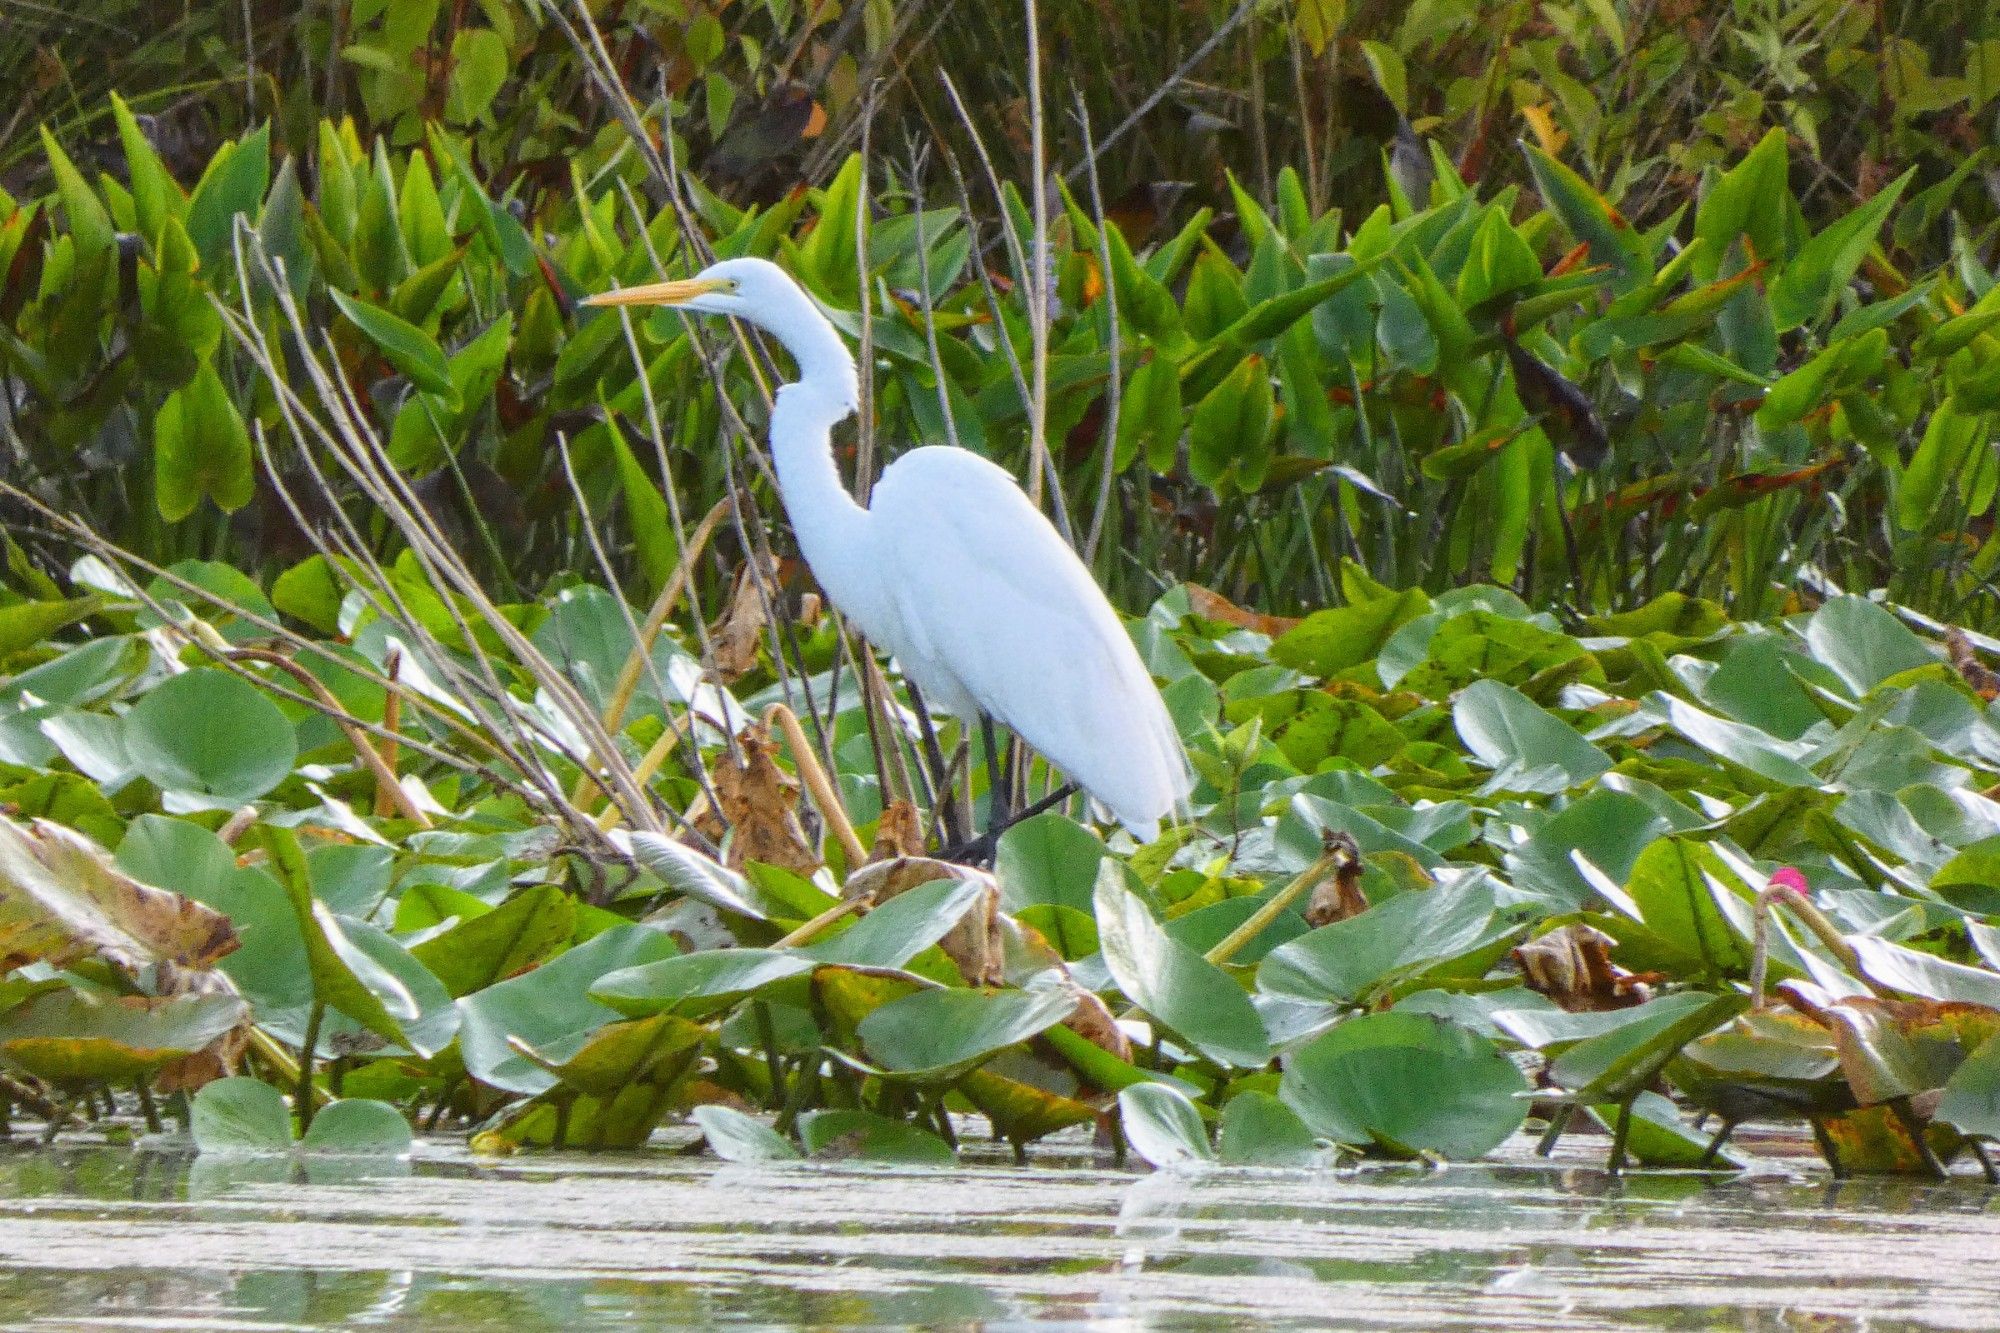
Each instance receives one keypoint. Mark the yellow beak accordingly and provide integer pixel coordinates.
(660, 293)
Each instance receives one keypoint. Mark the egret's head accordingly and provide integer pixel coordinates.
(752, 289)
(764, 294)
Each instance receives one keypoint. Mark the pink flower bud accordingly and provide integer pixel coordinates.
(1785, 877)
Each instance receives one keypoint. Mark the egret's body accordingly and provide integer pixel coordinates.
(952, 570)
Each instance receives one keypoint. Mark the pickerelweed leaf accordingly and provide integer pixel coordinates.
(404, 345)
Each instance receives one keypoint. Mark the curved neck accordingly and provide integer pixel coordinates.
(823, 515)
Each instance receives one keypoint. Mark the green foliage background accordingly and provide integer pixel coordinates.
(1580, 369)
(454, 165)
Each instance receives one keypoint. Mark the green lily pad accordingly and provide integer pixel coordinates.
(210, 739)
(936, 1034)
(736, 1137)
(863, 1134)
(1258, 1129)
(1163, 1126)
(241, 1115)
(701, 981)
(358, 1127)
(495, 945)
(1406, 1084)
(71, 1038)
(544, 1006)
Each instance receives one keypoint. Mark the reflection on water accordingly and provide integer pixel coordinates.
(110, 1237)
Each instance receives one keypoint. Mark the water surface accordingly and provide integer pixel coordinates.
(108, 1237)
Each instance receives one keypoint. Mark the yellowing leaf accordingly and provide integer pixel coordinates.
(62, 899)
(1319, 21)
(1547, 133)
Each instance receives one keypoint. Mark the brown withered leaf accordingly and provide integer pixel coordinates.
(1984, 681)
(898, 833)
(989, 947)
(739, 631)
(62, 898)
(1572, 966)
(760, 801)
(1092, 1020)
(974, 944)
(1210, 605)
(221, 1057)
(1339, 895)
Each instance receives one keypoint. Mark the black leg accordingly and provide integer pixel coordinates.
(998, 798)
(979, 851)
(941, 789)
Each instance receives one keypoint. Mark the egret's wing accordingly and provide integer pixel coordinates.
(986, 589)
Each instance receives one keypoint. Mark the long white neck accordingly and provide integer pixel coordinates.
(824, 516)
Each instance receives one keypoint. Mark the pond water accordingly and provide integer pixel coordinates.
(109, 1237)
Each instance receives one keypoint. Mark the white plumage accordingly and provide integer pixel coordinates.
(953, 571)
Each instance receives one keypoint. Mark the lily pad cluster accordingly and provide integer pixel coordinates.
(1451, 866)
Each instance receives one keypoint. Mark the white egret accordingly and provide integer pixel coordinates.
(951, 569)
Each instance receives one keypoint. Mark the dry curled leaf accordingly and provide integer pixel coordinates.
(1339, 895)
(1093, 1021)
(1985, 682)
(1572, 966)
(759, 801)
(739, 631)
(62, 898)
(974, 944)
(1214, 606)
(898, 833)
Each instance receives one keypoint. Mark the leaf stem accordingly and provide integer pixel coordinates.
(306, 1048)
(1333, 857)
(823, 793)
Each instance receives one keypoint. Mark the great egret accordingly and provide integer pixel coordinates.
(951, 569)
